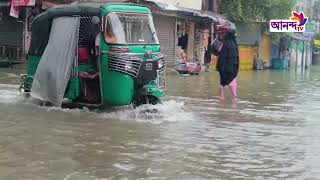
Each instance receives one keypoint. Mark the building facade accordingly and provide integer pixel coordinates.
(15, 27)
(197, 5)
(185, 23)
(182, 24)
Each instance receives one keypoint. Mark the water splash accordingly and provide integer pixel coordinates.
(9, 94)
(169, 111)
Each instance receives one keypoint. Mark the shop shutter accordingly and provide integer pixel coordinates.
(11, 33)
(165, 27)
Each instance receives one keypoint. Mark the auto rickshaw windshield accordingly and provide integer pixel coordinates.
(130, 28)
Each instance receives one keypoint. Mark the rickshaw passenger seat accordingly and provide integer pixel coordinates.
(87, 75)
(90, 86)
(83, 55)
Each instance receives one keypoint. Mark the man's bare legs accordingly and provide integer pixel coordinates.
(233, 89)
(222, 92)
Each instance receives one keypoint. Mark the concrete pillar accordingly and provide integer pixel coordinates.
(310, 57)
(215, 6)
(306, 51)
(293, 59)
(26, 34)
(299, 68)
(303, 66)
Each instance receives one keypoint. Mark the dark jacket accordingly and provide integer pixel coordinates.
(228, 61)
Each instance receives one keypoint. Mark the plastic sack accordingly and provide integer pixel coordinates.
(216, 46)
(193, 67)
(83, 54)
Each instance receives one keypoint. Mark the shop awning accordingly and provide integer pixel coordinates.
(300, 37)
(4, 4)
(196, 13)
(187, 12)
(163, 5)
(47, 5)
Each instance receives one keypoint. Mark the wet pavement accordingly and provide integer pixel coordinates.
(272, 132)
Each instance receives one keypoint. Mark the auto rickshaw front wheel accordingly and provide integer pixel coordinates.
(146, 99)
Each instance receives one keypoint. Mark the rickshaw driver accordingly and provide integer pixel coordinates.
(109, 37)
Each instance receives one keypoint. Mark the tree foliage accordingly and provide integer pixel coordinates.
(254, 11)
(249, 10)
(316, 10)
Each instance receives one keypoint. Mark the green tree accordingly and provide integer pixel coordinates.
(253, 11)
(316, 10)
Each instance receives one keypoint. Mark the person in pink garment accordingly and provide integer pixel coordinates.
(181, 55)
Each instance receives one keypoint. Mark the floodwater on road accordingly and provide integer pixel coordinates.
(272, 132)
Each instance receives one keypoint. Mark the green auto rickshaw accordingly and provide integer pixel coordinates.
(95, 55)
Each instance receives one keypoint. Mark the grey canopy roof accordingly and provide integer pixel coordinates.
(41, 25)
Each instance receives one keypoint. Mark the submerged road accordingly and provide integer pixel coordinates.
(272, 132)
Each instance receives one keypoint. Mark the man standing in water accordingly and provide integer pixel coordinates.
(228, 61)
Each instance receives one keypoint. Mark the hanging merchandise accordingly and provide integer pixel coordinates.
(15, 6)
(201, 42)
(29, 2)
(15, 9)
(198, 44)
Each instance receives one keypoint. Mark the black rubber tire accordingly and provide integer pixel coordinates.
(146, 99)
